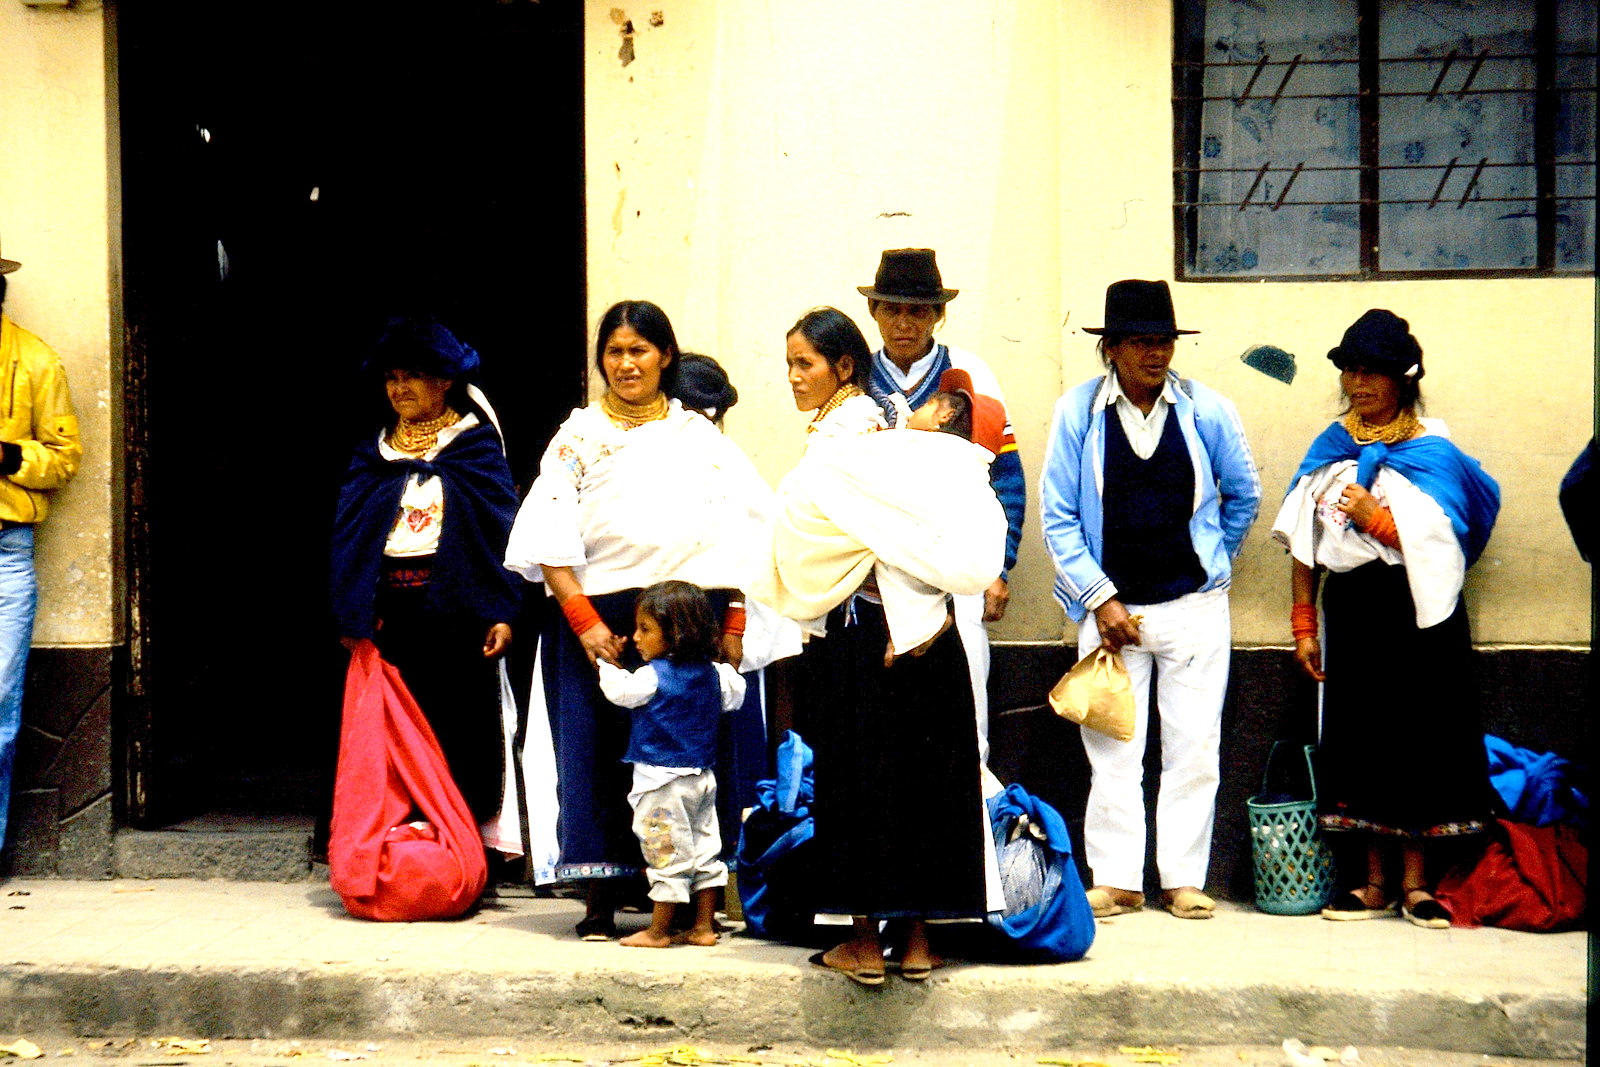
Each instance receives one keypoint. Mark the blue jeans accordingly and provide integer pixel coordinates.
(19, 596)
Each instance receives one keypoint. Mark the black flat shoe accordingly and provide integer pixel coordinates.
(1351, 907)
(1427, 913)
(597, 928)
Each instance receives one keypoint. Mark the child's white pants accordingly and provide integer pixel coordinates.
(1187, 642)
(676, 823)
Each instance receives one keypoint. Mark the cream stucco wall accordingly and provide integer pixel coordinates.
(55, 219)
(751, 161)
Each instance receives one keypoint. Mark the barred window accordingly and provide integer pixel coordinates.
(1378, 139)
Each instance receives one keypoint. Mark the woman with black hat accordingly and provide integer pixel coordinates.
(907, 299)
(424, 514)
(1394, 513)
(1147, 493)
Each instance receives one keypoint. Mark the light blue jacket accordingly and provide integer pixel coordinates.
(1227, 491)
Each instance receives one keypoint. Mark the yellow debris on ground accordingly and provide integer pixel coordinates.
(1150, 1054)
(22, 1049)
(183, 1046)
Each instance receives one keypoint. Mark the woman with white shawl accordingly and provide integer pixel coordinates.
(875, 530)
(632, 490)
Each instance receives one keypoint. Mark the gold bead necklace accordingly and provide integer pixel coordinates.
(628, 415)
(416, 437)
(845, 392)
(1403, 427)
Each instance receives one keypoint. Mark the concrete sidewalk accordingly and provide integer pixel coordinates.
(271, 960)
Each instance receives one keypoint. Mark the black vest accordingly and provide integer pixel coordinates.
(1146, 509)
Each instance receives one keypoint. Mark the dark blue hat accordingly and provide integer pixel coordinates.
(1379, 341)
(424, 346)
(1135, 307)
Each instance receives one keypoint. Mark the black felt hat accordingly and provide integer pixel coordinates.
(1379, 341)
(908, 276)
(1135, 307)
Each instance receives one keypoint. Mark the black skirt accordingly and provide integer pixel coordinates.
(898, 806)
(440, 658)
(1402, 736)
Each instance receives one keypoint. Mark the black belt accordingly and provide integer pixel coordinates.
(12, 524)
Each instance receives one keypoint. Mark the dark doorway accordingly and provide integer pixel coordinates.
(291, 176)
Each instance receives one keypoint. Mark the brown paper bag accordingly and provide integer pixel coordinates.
(1096, 693)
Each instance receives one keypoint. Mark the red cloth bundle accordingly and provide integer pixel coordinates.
(1528, 878)
(390, 765)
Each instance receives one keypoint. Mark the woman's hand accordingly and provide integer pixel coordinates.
(1359, 504)
(732, 649)
(1117, 627)
(1308, 653)
(995, 599)
(497, 640)
(600, 643)
(949, 620)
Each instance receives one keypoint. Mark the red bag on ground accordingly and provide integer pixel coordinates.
(1529, 878)
(389, 765)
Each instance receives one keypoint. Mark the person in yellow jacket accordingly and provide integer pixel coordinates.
(39, 451)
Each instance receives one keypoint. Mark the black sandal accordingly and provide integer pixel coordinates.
(1428, 913)
(1350, 906)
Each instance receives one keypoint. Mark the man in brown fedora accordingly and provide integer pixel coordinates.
(39, 451)
(907, 300)
(1147, 493)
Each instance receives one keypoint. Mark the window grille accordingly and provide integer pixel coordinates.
(1329, 139)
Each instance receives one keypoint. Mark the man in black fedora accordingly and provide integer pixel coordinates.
(39, 451)
(1147, 493)
(907, 300)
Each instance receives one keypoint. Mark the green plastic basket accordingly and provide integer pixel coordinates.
(1293, 864)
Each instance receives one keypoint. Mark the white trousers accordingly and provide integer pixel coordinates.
(676, 823)
(1186, 643)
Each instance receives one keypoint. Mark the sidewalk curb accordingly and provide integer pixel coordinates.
(966, 1007)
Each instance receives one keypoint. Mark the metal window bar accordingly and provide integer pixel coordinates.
(1382, 202)
(1391, 60)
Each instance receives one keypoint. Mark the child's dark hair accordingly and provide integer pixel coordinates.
(688, 627)
(960, 420)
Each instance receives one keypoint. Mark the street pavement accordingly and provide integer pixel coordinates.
(282, 962)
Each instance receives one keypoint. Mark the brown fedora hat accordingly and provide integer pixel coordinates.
(1135, 307)
(8, 265)
(908, 276)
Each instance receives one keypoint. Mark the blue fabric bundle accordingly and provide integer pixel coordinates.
(1536, 786)
(1047, 918)
(774, 863)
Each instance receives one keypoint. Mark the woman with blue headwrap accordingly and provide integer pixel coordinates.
(425, 511)
(1394, 513)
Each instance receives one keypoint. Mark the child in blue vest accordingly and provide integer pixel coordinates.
(677, 696)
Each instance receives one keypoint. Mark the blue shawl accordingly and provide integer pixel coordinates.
(1455, 481)
(480, 503)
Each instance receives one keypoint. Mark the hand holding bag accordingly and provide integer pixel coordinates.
(390, 764)
(1096, 693)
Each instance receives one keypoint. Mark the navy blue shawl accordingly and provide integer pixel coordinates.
(480, 503)
(1456, 481)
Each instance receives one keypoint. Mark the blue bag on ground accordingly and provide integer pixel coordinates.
(774, 864)
(1047, 917)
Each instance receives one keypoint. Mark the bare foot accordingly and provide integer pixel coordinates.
(647, 938)
(696, 936)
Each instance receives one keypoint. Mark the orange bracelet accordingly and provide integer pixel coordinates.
(1382, 529)
(580, 614)
(1303, 621)
(733, 620)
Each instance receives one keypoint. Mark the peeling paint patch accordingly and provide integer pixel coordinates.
(616, 216)
(625, 27)
(894, 214)
(1272, 361)
(658, 19)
